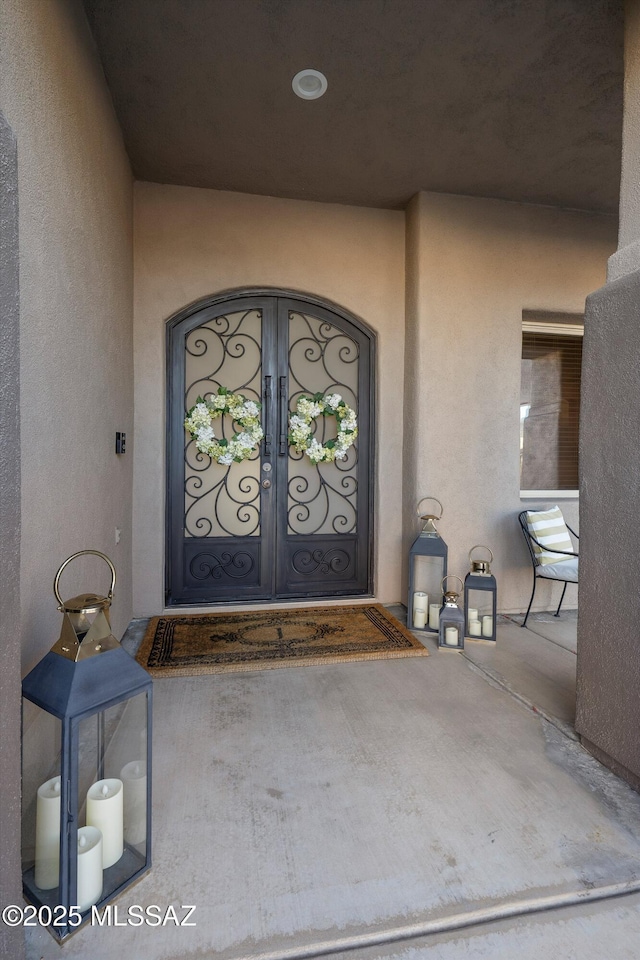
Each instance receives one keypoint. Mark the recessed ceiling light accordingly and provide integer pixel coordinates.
(309, 84)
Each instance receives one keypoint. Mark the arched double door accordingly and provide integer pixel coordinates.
(275, 526)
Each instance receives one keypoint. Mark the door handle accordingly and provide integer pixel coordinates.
(267, 415)
(282, 397)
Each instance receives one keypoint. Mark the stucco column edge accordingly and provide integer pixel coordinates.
(624, 261)
(606, 700)
(11, 939)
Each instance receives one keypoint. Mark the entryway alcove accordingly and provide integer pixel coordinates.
(275, 526)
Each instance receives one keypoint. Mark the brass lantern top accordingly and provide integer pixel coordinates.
(85, 603)
(429, 528)
(481, 568)
(86, 629)
(450, 596)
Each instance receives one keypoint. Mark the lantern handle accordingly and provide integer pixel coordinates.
(435, 501)
(82, 553)
(481, 546)
(450, 576)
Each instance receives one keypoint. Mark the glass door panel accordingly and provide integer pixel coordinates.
(219, 542)
(222, 501)
(321, 548)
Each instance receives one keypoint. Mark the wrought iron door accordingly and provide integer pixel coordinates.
(276, 525)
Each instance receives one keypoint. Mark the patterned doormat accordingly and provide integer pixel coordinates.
(230, 642)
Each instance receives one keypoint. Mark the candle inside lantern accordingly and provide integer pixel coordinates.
(475, 628)
(472, 614)
(419, 619)
(134, 779)
(89, 867)
(105, 811)
(487, 626)
(451, 636)
(420, 601)
(47, 866)
(434, 616)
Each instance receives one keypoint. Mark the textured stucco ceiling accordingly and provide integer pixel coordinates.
(517, 99)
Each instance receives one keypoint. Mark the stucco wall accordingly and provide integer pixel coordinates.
(630, 180)
(10, 887)
(608, 633)
(473, 266)
(75, 192)
(627, 257)
(193, 242)
(607, 712)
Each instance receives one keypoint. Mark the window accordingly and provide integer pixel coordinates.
(550, 404)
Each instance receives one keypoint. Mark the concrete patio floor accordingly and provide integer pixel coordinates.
(395, 809)
(537, 664)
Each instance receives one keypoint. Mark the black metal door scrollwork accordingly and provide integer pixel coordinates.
(223, 351)
(275, 525)
(322, 359)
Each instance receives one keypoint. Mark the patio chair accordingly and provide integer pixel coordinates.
(549, 562)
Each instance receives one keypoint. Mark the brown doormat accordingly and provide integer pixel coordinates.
(229, 642)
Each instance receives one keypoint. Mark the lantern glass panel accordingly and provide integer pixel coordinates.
(427, 578)
(480, 605)
(41, 760)
(451, 627)
(482, 601)
(112, 787)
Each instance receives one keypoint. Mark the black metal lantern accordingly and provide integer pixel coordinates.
(480, 598)
(451, 625)
(86, 766)
(427, 567)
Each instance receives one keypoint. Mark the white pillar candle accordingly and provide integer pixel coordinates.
(472, 614)
(105, 811)
(89, 867)
(434, 616)
(451, 636)
(420, 601)
(47, 872)
(475, 628)
(134, 780)
(487, 626)
(419, 619)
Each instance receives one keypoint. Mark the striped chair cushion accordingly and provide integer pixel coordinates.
(549, 528)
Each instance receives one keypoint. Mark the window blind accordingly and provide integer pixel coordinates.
(550, 407)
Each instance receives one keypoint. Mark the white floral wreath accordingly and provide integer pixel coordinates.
(300, 430)
(246, 413)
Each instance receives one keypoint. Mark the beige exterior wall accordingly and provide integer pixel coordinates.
(630, 180)
(627, 258)
(75, 198)
(607, 710)
(473, 266)
(190, 243)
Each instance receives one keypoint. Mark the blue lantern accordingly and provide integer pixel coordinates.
(86, 768)
(451, 625)
(427, 567)
(480, 598)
